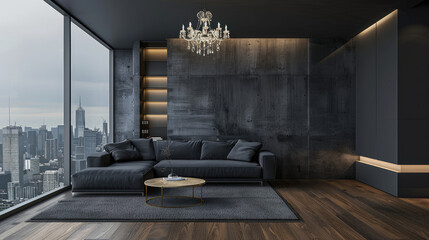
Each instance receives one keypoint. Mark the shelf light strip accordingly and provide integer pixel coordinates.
(156, 90)
(399, 168)
(156, 115)
(156, 78)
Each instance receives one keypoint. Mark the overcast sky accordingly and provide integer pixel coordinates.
(31, 67)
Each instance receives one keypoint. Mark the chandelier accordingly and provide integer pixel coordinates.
(204, 39)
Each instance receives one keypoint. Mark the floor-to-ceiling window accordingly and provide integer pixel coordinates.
(89, 97)
(31, 101)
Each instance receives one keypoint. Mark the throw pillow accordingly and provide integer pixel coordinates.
(126, 155)
(145, 147)
(124, 145)
(216, 150)
(244, 150)
(190, 150)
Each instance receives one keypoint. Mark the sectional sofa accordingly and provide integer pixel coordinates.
(124, 166)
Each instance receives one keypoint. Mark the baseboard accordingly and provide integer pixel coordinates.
(407, 185)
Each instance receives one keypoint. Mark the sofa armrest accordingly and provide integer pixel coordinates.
(99, 159)
(268, 162)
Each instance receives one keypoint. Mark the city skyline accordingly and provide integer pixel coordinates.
(37, 94)
(32, 159)
(95, 117)
(37, 126)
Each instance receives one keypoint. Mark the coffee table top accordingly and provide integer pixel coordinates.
(160, 182)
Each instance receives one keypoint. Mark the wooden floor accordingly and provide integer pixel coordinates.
(330, 209)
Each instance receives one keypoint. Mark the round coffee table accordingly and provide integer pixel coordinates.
(161, 183)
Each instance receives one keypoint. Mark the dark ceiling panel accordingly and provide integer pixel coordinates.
(120, 22)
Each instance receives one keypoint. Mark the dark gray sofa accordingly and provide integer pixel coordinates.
(104, 174)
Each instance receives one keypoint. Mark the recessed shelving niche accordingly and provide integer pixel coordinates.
(153, 90)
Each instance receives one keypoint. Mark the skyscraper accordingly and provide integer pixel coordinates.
(77, 164)
(1, 155)
(105, 127)
(60, 136)
(51, 149)
(33, 165)
(13, 190)
(13, 152)
(105, 136)
(32, 143)
(28, 192)
(90, 142)
(43, 132)
(54, 132)
(50, 180)
(1, 149)
(78, 159)
(4, 179)
(80, 120)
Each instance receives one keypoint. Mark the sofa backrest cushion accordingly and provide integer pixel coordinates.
(124, 145)
(145, 147)
(126, 155)
(216, 150)
(190, 150)
(244, 150)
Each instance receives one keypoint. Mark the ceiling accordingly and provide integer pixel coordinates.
(121, 22)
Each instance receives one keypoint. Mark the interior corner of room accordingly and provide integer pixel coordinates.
(185, 120)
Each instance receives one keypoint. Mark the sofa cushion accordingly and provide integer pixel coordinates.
(145, 147)
(209, 169)
(159, 145)
(216, 150)
(99, 159)
(124, 145)
(125, 176)
(126, 155)
(244, 150)
(178, 150)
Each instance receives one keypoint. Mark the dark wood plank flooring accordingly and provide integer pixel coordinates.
(330, 209)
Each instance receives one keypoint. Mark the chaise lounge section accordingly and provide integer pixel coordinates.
(125, 177)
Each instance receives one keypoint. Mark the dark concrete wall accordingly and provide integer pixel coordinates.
(261, 90)
(126, 95)
(332, 109)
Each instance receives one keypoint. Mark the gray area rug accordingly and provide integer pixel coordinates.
(223, 202)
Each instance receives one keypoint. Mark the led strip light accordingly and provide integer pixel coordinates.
(395, 167)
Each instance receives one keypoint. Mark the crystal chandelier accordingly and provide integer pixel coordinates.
(204, 39)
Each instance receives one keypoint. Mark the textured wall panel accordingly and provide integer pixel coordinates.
(126, 96)
(332, 109)
(257, 89)
(254, 89)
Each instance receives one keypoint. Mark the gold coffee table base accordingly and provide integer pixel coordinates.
(176, 196)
